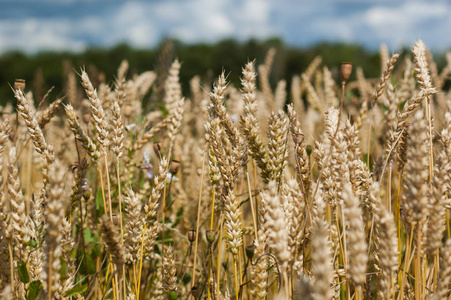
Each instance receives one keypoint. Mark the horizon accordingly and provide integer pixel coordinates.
(181, 44)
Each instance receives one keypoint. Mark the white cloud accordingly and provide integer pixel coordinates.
(204, 20)
(253, 19)
(33, 35)
(141, 24)
(144, 23)
(404, 24)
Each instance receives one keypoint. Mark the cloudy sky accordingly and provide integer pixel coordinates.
(34, 25)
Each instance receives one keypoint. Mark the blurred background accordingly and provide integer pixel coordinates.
(42, 40)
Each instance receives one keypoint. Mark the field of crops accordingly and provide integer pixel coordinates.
(330, 188)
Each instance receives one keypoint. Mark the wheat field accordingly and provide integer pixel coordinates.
(330, 188)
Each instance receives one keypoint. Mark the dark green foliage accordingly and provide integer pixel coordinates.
(34, 289)
(47, 69)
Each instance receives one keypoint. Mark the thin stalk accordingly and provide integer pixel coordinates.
(183, 265)
(287, 287)
(96, 285)
(141, 260)
(371, 234)
(82, 234)
(389, 190)
(345, 255)
(99, 169)
(82, 237)
(369, 138)
(114, 282)
(239, 265)
(448, 225)
(163, 207)
(123, 281)
(120, 199)
(208, 282)
(254, 215)
(219, 256)
(340, 244)
(392, 287)
(198, 218)
(436, 268)
(212, 273)
(111, 279)
(398, 216)
(235, 274)
(163, 217)
(29, 171)
(11, 265)
(108, 186)
(343, 85)
(120, 218)
(431, 152)
(358, 292)
(255, 185)
(213, 208)
(406, 264)
(49, 276)
(418, 277)
(244, 275)
(135, 282)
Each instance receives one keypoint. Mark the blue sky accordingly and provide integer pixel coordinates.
(35, 25)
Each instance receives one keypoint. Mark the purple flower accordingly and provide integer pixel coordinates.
(147, 166)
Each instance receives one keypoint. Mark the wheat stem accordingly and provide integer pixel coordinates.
(254, 215)
(213, 209)
(219, 256)
(198, 216)
(235, 275)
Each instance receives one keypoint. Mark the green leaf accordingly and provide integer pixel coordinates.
(178, 216)
(88, 236)
(78, 289)
(64, 270)
(96, 250)
(370, 160)
(23, 272)
(32, 243)
(180, 212)
(34, 289)
(91, 264)
(187, 278)
(99, 202)
(163, 109)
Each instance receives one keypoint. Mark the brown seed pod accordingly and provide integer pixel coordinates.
(195, 292)
(250, 249)
(192, 236)
(299, 138)
(87, 194)
(345, 71)
(157, 148)
(174, 167)
(211, 234)
(172, 295)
